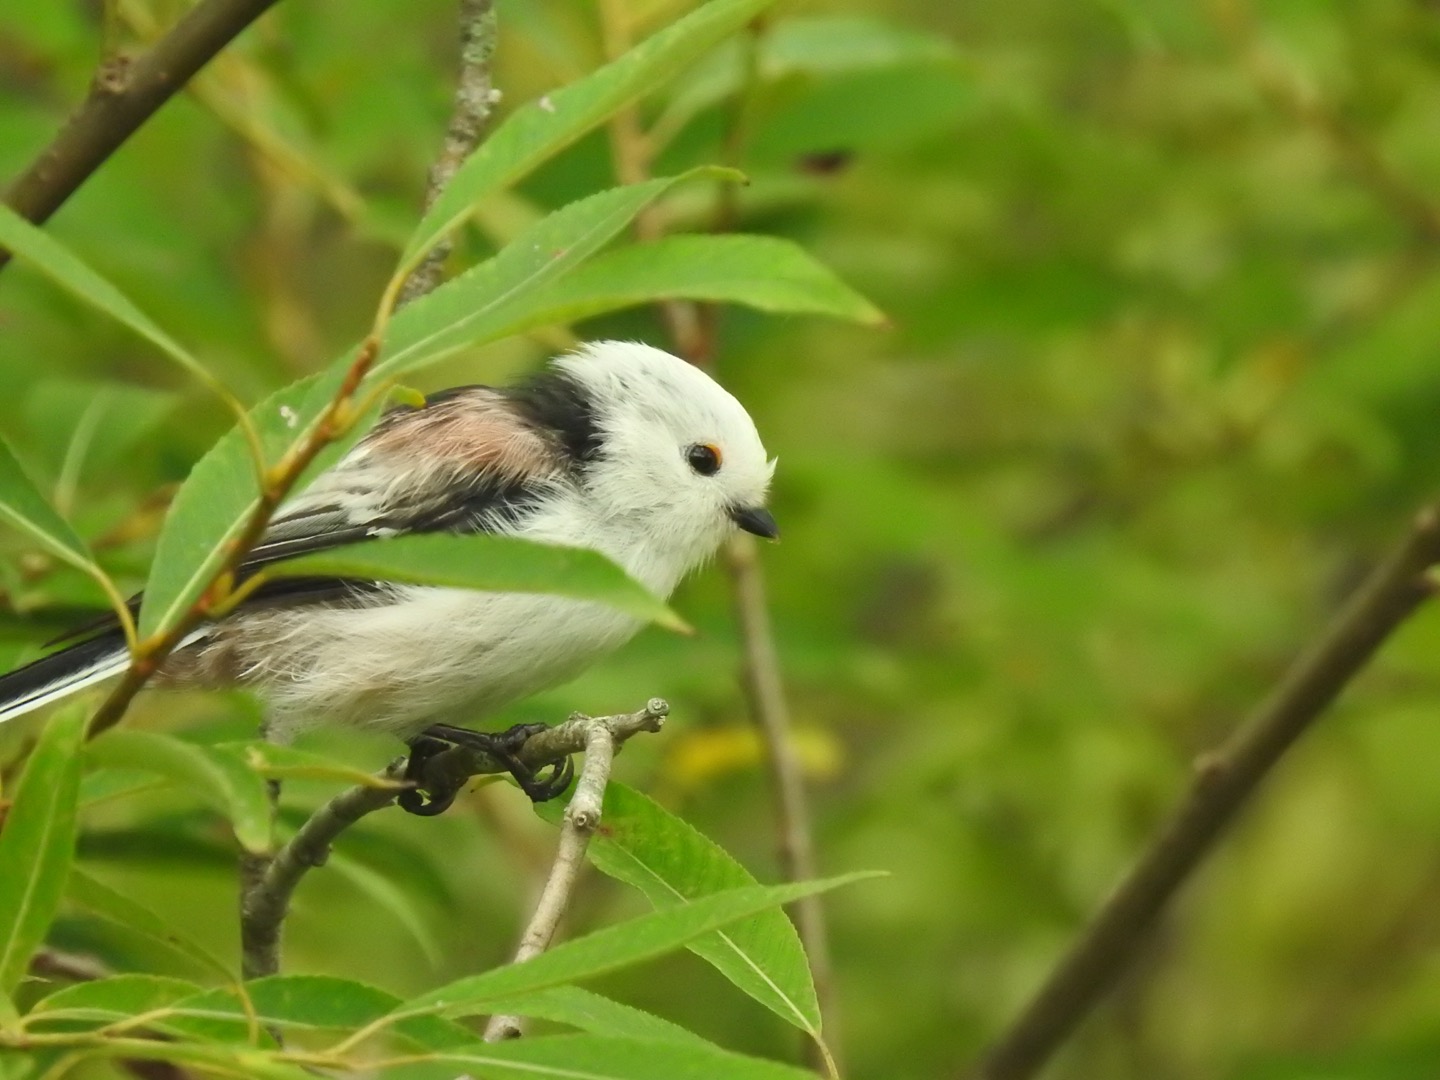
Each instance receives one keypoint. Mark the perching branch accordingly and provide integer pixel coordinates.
(1225, 780)
(582, 817)
(124, 94)
(265, 905)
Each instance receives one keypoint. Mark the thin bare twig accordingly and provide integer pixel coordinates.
(475, 99)
(123, 95)
(765, 689)
(582, 817)
(265, 905)
(1225, 781)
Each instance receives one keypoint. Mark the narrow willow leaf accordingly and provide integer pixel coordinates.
(491, 563)
(540, 129)
(22, 506)
(313, 1002)
(114, 998)
(275, 761)
(762, 272)
(667, 859)
(592, 1012)
(229, 1061)
(220, 777)
(474, 307)
(37, 844)
(616, 946)
(66, 269)
(596, 1057)
(131, 917)
(216, 500)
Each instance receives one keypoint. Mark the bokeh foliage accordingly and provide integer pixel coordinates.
(1158, 386)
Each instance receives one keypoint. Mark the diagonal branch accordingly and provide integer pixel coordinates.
(267, 902)
(1225, 780)
(123, 95)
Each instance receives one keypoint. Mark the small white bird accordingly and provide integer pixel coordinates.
(618, 447)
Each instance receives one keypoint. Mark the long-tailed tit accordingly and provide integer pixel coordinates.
(617, 447)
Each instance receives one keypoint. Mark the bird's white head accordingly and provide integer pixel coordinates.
(674, 460)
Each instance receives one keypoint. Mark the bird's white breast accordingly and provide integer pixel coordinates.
(430, 655)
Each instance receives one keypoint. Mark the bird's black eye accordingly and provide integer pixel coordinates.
(704, 458)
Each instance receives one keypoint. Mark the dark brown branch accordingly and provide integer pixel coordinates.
(1224, 781)
(124, 94)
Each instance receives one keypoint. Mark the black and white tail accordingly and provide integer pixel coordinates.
(62, 674)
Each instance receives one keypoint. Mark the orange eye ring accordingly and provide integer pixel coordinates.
(704, 458)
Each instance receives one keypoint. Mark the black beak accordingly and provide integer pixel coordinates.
(757, 520)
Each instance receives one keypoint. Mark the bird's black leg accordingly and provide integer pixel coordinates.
(501, 745)
(412, 800)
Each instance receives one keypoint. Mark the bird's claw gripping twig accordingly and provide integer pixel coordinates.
(502, 746)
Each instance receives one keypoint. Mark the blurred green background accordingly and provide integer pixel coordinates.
(1162, 381)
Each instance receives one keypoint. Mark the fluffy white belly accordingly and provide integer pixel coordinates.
(429, 655)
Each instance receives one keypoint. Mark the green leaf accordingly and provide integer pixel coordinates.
(212, 1060)
(212, 506)
(66, 269)
(219, 776)
(616, 946)
(646, 846)
(117, 997)
(316, 1002)
(589, 1011)
(22, 506)
(484, 303)
(492, 563)
(595, 1057)
(541, 129)
(277, 761)
(37, 843)
(759, 271)
(133, 918)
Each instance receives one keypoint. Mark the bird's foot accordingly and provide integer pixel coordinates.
(503, 746)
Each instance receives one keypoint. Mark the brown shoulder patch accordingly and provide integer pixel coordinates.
(473, 428)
